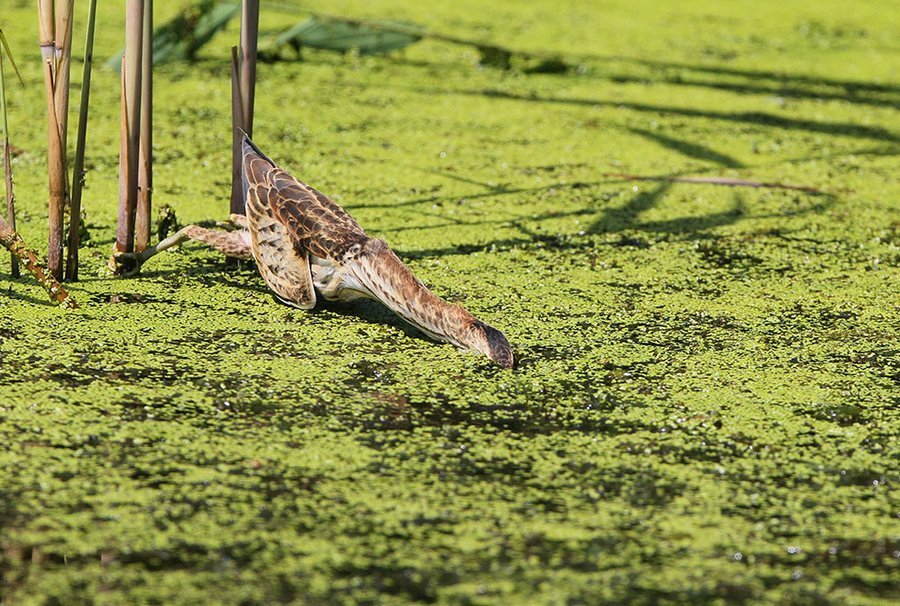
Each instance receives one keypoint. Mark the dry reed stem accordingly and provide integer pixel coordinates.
(7, 170)
(145, 159)
(131, 124)
(243, 84)
(237, 113)
(10, 203)
(249, 38)
(123, 241)
(63, 53)
(55, 149)
(57, 179)
(78, 169)
(47, 30)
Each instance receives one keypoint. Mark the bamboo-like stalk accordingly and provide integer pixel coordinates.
(145, 158)
(7, 169)
(47, 30)
(55, 147)
(123, 238)
(237, 113)
(243, 84)
(249, 38)
(10, 207)
(131, 124)
(57, 180)
(78, 170)
(13, 242)
(63, 54)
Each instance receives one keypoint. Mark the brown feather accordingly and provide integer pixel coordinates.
(283, 265)
(302, 241)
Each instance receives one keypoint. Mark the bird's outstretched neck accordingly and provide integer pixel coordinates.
(388, 280)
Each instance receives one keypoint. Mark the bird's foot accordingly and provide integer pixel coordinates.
(125, 263)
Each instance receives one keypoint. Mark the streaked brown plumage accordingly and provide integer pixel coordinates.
(304, 243)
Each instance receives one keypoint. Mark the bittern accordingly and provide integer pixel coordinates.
(304, 243)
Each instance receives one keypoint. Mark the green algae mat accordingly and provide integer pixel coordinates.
(705, 405)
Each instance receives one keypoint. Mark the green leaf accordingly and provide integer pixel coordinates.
(12, 59)
(187, 32)
(373, 38)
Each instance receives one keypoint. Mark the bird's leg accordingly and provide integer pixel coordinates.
(230, 243)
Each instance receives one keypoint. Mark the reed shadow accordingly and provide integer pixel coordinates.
(782, 90)
(610, 219)
(689, 149)
(14, 295)
(851, 86)
(846, 129)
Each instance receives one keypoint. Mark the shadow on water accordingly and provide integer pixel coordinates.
(847, 129)
(371, 312)
(682, 225)
(15, 295)
(780, 89)
(493, 190)
(749, 81)
(688, 148)
(626, 216)
(608, 220)
(391, 411)
(851, 86)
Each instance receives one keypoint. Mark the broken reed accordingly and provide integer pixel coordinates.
(243, 85)
(13, 242)
(74, 240)
(130, 125)
(55, 27)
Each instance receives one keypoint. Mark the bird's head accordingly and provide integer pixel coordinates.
(491, 342)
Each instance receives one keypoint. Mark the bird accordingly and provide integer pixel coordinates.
(305, 245)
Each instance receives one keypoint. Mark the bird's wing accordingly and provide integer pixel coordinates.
(313, 221)
(282, 260)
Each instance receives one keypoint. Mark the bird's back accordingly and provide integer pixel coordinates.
(311, 220)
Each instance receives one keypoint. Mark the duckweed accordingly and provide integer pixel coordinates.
(705, 406)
